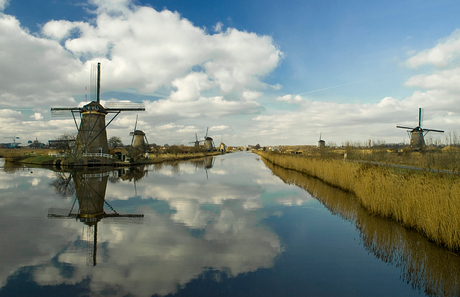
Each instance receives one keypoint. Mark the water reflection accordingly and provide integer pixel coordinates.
(90, 188)
(191, 226)
(425, 266)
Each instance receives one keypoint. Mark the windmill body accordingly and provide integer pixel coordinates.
(139, 137)
(91, 139)
(208, 143)
(417, 134)
(92, 135)
(321, 143)
(139, 140)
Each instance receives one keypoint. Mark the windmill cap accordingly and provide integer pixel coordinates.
(139, 132)
(94, 106)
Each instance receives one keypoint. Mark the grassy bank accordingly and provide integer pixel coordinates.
(426, 266)
(159, 158)
(425, 201)
(41, 156)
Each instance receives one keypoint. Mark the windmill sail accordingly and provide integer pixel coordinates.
(92, 133)
(417, 134)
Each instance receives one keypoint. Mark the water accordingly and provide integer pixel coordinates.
(224, 226)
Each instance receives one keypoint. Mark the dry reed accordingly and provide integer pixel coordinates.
(425, 201)
(427, 267)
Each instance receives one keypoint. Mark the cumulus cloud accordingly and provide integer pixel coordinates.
(441, 55)
(37, 116)
(198, 74)
(290, 99)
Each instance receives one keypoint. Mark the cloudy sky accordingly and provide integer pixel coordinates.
(269, 72)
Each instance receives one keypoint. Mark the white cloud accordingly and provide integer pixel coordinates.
(37, 116)
(218, 27)
(251, 95)
(444, 80)
(3, 4)
(218, 128)
(199, 75)
(441, 55)
(290, 99)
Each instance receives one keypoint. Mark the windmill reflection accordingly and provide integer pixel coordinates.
(205, 163)
(89, 189)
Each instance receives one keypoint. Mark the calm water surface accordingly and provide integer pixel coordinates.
(225, 226)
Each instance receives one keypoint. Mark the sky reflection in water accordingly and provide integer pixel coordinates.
(222, 228)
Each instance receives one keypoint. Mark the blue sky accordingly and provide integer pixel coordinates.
(360, 67)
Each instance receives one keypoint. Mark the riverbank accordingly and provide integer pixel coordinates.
(424, 201)
(42, 157)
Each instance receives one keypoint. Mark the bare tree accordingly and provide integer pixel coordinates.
(65, 143)
(115, 142)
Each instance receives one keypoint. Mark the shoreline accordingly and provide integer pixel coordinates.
(41, 158)
(428, 202)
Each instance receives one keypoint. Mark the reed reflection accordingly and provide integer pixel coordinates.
(89, 188)
(425, 266)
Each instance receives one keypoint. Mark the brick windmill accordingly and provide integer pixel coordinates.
(92, 132)
(417, 134)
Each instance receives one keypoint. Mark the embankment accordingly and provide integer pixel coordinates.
(424, 201)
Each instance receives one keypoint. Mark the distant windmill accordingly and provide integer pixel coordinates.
(208, 142)
(139, 140)
(417, 134)
(92, 134)
(196, 142)
(321, 143)
(90, 194)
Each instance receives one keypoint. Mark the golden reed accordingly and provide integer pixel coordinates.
(425, 201)
(427, 267)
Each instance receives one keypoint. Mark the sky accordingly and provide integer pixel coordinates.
(269, 72)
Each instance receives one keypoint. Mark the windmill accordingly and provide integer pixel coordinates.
(197, 142)
(139, 140)
(321, 143)
(92, 134)
(90, 194)
(417, 134)
(208, 142)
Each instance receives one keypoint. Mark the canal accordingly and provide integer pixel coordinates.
(231, 225)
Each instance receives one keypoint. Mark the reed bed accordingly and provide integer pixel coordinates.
(424, 201)
(427, 267)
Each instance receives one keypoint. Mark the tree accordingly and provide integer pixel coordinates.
(115, 142)
(65, 143)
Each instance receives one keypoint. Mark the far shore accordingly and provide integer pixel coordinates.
(28, 156)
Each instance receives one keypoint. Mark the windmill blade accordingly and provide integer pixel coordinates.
(146, 141)
(433, 130)
(135, 125)
(420, 117)
(403, 127)
(206, 133)
(196, 136)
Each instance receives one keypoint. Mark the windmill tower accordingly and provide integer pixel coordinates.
(90, 193)
(208, 142)
(417, 134)
(321, 143)
(139, 140)
(92, 133)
